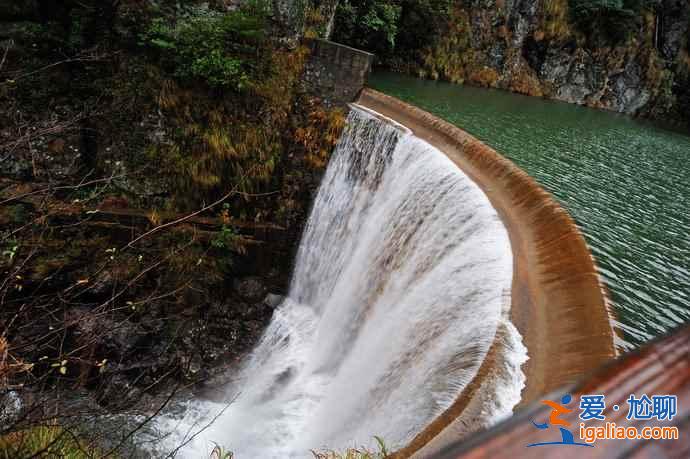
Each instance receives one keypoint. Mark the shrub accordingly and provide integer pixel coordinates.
(452, 56)
(227, 238)
(606, 21)
(221, 49)
(391, 28)
(368, 24)
(424, 23)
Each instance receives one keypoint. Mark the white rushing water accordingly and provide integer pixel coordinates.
(401, 285)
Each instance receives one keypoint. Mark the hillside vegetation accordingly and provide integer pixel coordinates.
(625, 55)
(157, 164)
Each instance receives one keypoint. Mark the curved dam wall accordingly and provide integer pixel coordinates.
(401, 291)
(558, 303)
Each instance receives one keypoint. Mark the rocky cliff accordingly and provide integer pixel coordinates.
(632, 60)
(532, 47)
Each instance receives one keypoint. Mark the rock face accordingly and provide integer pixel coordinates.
(250, 288)
(288, 19)
(533, 47)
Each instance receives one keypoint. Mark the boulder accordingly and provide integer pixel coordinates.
(250, 289)
(273, 300)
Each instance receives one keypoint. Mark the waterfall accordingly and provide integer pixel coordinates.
(401, 285)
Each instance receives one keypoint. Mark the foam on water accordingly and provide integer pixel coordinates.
(401, 285)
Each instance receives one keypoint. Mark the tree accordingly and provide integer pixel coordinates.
(606, 21)
(368, 24)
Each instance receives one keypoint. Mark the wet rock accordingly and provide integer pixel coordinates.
(119, 392)
(250, 289)
(38, 155)
(143, 185)
(10, 407)
(674, 27)
(192, 365)
(628, 92)
(273, 300)
(115, 339)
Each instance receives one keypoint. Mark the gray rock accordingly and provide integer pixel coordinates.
(273, 300)
(109, 336)
(10, 407)
(571, 68)
(288, 20)
(674, 27)
(250, 288)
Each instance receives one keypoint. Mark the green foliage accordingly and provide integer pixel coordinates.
(423, 21)
(75, 40)
(368, 24)
(383, 20)
(383, 450)
(225, 239)
(390, 28)
(606, 21)
(221, 49)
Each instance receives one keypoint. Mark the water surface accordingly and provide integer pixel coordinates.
(626, 183)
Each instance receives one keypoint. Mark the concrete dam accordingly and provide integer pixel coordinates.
(436, 288)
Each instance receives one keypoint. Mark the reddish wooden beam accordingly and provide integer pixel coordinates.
(659, 368)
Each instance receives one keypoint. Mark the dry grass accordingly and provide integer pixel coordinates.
(45, 441)
(320, 134)
(352, 453)
(554, 20)
(450, 58)
(356, 453)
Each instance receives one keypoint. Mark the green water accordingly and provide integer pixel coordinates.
(626, 183)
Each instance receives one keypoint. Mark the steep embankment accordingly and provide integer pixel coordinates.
(156, 167)
(558, 304)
